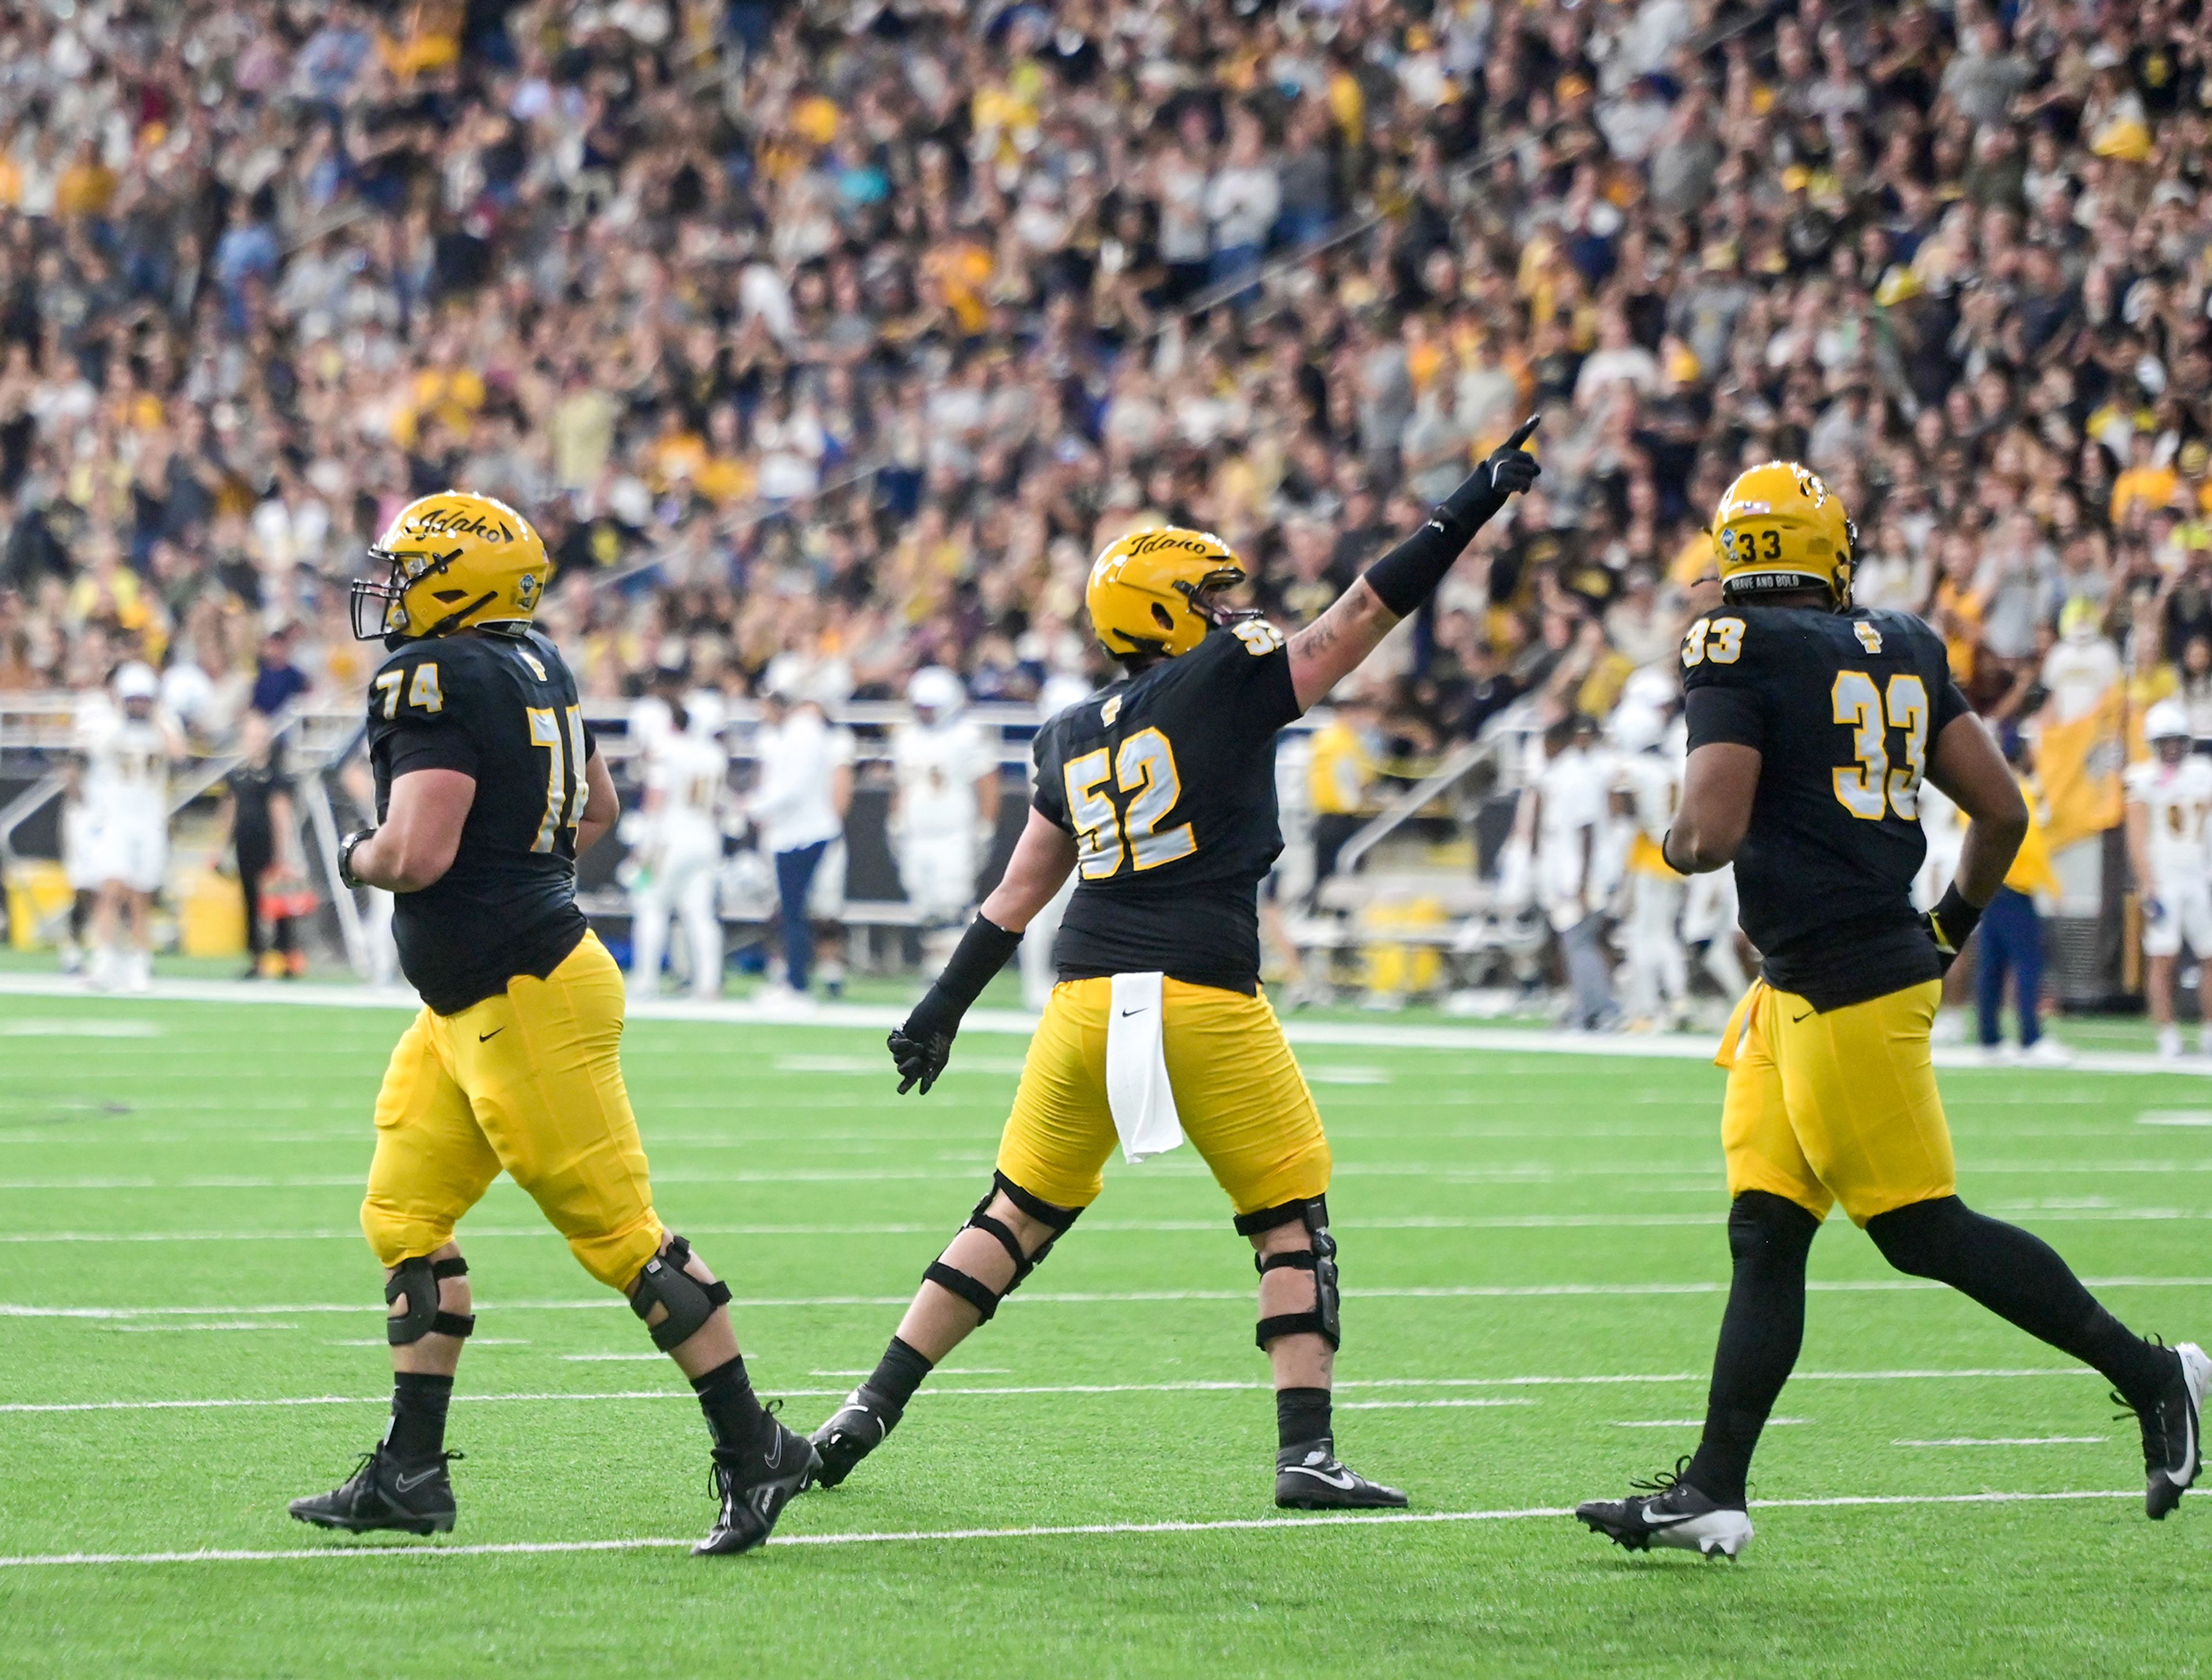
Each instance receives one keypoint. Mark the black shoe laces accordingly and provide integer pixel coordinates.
(2152, 1417)
(1659, 1486)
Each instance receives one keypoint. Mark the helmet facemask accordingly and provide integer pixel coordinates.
(1204, 597)
(388, 598)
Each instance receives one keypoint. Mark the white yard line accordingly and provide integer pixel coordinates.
(1002, 1390)
(1686, 1046)
(953, 1536)
(2008, 1441)
(1092, 1298)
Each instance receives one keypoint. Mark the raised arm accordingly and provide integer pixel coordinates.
(1332, 646)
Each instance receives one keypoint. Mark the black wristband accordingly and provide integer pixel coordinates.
(1954, 920)
(984, 949)
(1666, 857)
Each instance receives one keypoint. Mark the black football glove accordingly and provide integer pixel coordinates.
(1508, 470)
(919, 1060)
(1950, 925)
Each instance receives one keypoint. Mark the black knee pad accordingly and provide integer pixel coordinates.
(417, 1280)
(1925, 1239)
(974, 1291)
(691, 1303)
(1325, 1319)
(1764, 1228)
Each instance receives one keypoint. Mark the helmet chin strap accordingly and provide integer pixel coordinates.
(451, 621)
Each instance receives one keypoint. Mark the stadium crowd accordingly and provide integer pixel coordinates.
(849, 333)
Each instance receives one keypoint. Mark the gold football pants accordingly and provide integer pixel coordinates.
(1243, 1104)
(530, 1081)
(1836, 1105)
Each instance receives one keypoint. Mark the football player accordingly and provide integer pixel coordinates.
(488, 786)
(2169, 803)
(1812, 723)
(128, 753)
(1159, 794)
(687, 775)
(944, 801)
(1644, 790)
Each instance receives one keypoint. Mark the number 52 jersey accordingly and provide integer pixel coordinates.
(1167, 782)
(501, 709)
(1844, 709)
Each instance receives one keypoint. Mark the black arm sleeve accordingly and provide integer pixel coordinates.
(984, 949)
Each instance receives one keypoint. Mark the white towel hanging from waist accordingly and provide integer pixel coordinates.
(1137, 1089)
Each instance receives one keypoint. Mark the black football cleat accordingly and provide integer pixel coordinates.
(2172, 1438)
(854, 1430)
(1308, 1477)
(1672, 1513)
(385, 1493)
(754, 1487)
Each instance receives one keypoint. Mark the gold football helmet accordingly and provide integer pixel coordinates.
(1779, 527)
(1152, 591)
(458, 560)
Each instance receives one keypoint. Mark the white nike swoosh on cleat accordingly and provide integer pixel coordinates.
(1343, 1480)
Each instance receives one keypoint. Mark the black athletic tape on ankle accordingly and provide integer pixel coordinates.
(973, 1290)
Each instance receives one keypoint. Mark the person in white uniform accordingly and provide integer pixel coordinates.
(687, 772)
(944, 801)
(2169, 816)
(127, 754)
(1569, 812)
(1646, 788)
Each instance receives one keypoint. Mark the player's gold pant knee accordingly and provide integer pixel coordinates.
(1836, 1105)
(530, 1081)
(1243, 1103)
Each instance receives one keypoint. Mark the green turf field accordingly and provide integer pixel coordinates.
(1533, 1259)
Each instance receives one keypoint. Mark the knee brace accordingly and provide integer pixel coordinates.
(974, 1291)
(1323, 1320)
(417, 1280)
(690, 1303)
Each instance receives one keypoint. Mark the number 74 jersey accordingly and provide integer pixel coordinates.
(1167, 782)
(502, 710)
(1844, 709)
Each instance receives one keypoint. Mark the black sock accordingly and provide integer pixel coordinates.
(2020, 1278)
(734, 1416)
(1761, 1333)
(1301, 1416)
(418, 1415)
(897, 1374)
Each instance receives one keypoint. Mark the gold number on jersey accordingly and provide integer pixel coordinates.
(1720, 640)
(423, 693)
(564, 793)
(388, 685)
(1258, 636)
(1144, 767)
(1871, 789)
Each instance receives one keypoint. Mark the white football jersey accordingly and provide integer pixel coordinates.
(1653, 783)
(126, 777)
(2179, 801)
(690, 772)
(938, 768)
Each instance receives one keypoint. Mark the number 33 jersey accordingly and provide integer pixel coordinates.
(1167, 782)
(503, 710)
(1844, 709)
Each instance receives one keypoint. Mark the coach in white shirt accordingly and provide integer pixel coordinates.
(795, 808)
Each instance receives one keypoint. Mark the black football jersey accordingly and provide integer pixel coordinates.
(1843, 708)
(503, 710)
(1167, 782)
